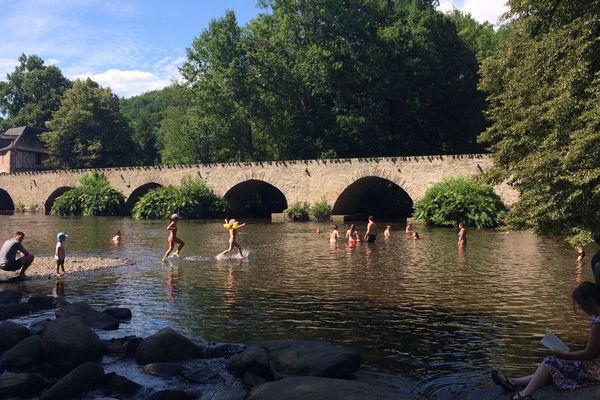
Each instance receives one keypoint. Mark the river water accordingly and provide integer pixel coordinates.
(423, 309)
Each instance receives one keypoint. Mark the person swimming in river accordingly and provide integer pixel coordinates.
(352, 235)
(462, 234)
(387, 233)
(117, 238)
(334, 234)
(232, 226)
(172, 238)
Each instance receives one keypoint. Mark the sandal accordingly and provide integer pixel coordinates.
(503, 382)
(517, 396)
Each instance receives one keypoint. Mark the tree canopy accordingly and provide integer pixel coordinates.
(544, 95)
(88, 130)
(31, 93)
(326, 78)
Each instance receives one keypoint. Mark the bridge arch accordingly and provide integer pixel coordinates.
(6, 203)
(373, 195)
(139, 192)
(53, 196)
(255, 198)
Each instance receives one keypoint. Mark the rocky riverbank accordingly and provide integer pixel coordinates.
(46, 266)
(64, 357)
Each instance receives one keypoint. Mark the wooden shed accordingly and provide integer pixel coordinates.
(21, 150)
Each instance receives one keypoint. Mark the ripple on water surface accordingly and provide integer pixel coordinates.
(423, 308)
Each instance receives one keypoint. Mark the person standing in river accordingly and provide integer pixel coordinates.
(462, 234)
(8, 254)
(172, 238)
(371, 233)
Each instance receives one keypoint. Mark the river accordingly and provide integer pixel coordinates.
(423, 309)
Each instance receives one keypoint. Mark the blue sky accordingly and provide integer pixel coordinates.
(131, 45)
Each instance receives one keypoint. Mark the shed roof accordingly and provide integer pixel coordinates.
(23, 138)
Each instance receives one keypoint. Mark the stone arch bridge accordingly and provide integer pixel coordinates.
(270, 186)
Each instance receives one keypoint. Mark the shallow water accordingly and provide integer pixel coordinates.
(422, 308)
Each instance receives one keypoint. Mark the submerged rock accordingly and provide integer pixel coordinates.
(11, 334)
(164, 370)
(202, 375)
(10, 296)
(120, 313)
(39, 302)
(166, 346)
(85, 377)
(317, 388)
(119, 385)
(68, 342)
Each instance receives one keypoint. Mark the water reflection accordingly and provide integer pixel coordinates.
(427, 308)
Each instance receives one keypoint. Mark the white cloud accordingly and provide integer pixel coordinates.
(481, 10)
(127, 83)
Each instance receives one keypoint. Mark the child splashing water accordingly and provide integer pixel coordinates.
(173, 239)
(232, 226)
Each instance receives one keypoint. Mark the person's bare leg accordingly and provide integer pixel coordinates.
(540, 377)
(168, 251)
(520, 381)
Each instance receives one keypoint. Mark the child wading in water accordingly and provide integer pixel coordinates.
(172, 239)
(59, 254)
(232, 226)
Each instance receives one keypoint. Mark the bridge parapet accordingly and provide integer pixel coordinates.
(296, 180)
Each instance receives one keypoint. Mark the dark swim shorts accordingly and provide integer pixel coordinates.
(12, 265)
(371, 238)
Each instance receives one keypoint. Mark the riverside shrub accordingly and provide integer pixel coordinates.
(321, 210)
(460, 199)
(298, 211)
(191, 199)
(94, 197)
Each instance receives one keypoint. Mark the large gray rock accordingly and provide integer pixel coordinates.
(166, 346)
(68, 342)
(316, 388)
(25, 353)
(278, 359)
(11, 334)
(20, 385)
(202, 375)
(10, 296)
(85, 377)
(13, 310)
(92, 318)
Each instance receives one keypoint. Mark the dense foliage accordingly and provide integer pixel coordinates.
(457, 200)
(321, 210)
(298, 211)
(88, 130)
(144, 114)
(327, 78)
(544, 94)
(192, 199)
(93, 197)
(31, 93)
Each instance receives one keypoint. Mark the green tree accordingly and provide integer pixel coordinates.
(88, 130)
(544, 95)
(144, 114)
(31, 93)
(327, 77)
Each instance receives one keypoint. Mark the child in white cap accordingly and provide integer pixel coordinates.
(172, 238)
(59, 254)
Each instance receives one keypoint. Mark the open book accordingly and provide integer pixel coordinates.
(553, 342)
